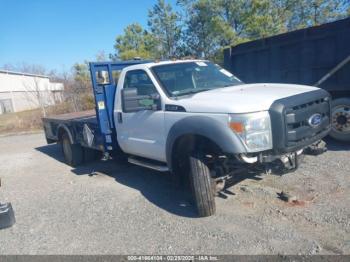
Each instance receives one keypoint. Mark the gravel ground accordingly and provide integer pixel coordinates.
(111, 208)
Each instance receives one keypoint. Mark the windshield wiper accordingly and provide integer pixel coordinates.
(193, 91)
(233, 84)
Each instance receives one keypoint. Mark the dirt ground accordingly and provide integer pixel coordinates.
(112, 208)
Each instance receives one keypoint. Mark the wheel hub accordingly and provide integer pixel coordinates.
(341, 119)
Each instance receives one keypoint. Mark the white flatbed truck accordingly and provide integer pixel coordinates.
(193, 119)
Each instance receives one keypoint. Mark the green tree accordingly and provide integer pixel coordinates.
(207, 26)
(214, 24)
(135, 42)
(263, 18)
(164, 25)
(205, 31)
(232, 13)
(253, 19)
(79, 88)
(81, 75)
(314, 12)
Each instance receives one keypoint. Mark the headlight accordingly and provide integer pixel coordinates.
(254, 129)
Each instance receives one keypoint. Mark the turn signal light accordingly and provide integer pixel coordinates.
(238, 127)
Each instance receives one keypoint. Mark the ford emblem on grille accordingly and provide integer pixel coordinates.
(315, 120)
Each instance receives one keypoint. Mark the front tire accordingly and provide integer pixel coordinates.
(341, 119)
(202, 185)
(73, 153)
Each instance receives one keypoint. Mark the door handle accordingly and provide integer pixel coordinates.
(120, 117)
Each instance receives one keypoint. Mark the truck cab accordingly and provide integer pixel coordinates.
(200, 122)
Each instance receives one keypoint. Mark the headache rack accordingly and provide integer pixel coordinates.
(104, 84)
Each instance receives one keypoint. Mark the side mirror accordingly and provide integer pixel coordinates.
(132, 102)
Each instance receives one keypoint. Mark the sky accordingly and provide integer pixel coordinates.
(58, 33)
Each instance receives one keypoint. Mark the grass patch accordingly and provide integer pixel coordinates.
(30, 120)
(21, 121)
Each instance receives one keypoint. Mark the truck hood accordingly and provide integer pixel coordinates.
(241, 98)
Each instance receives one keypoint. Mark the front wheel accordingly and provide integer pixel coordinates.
(341, 119)
(202, 185)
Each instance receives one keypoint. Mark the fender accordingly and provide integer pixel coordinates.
(205, 126)
(63, 126)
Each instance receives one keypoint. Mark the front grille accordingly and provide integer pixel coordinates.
(290, 116)
(298, 129)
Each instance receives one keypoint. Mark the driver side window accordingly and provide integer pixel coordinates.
(140, 80)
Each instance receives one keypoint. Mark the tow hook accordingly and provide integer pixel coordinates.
(7, 216)
(316, 148)
(286, 163)
(290, 161)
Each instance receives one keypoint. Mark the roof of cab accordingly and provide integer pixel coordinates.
(166, 62)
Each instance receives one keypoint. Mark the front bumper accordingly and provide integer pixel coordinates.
(267, 157)
(282, 163)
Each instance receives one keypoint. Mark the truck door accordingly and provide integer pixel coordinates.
(141, 132)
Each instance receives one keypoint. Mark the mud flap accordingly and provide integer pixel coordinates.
(7, 216)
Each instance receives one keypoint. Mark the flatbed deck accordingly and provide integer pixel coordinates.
(89, 115)
(83, 127)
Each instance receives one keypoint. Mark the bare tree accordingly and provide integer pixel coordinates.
(78, 90)
(70, 92)
(37, 92)
(77, 93)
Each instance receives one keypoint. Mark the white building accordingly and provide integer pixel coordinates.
(22, 91)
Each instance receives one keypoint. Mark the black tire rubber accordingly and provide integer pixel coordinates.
(73, 153)
(338, 135)
(202, 185)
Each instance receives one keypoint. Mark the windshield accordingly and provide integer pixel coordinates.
(193, 77)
